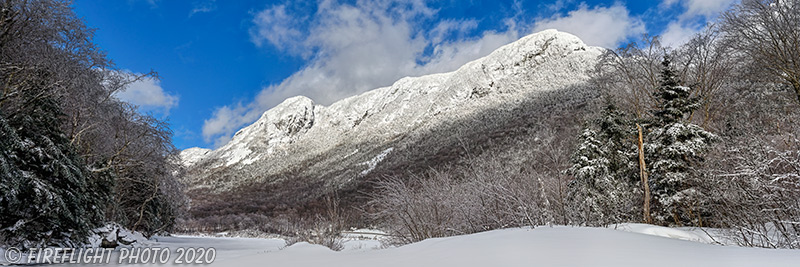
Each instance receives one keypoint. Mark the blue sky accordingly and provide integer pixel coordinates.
(223, 63)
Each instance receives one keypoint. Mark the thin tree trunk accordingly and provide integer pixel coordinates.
(796, 86)
(643, 174)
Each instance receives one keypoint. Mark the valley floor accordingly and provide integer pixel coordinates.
(627, 245)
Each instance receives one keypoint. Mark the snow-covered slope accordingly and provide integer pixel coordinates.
(358, 132)
(193, 155)
(542, 246)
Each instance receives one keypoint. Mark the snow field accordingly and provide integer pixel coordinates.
(627, 245)
(541, 246)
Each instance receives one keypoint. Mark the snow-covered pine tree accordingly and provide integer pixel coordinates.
(602, 190)
(46, 196)
(616, 131)
(589, 166)
(673, 144)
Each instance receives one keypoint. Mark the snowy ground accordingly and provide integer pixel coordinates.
(627, 245)
(543, 246)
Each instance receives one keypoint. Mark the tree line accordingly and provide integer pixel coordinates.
(72, 155)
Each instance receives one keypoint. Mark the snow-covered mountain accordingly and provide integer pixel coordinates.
(299, 144)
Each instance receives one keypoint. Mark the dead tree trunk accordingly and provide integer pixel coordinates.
(643, 174)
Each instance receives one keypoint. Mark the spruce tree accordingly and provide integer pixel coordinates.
(674, 143)
(616, 132)
(590, 168)
(602, 189)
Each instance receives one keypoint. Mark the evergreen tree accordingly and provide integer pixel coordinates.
(616, 132)
(590, 167)
(47, 196)
(673, 144)
(602, 189)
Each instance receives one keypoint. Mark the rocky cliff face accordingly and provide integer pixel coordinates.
(298, 150)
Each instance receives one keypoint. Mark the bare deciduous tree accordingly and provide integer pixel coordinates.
(631, 74)
(767, 32)
(706, 65)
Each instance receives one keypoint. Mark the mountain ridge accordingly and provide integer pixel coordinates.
(295, 116)
(299, 152)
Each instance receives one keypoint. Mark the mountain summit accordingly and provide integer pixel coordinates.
(309, 149)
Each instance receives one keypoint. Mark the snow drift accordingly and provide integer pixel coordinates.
(541, 246)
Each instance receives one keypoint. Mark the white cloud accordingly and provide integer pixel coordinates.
(203, 7)
(354, 48)
(677, 34)
(705, 8)
(445, 28)
(696, 13)
(226, 120)
(558, 5)
(668, 3)
(148, 95)
(276, 27)
(600, 26)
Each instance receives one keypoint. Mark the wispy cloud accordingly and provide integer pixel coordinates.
(705, 8)
(151, 3)
(275, 27)
(203, 7)
(693, 18)
(352, 48)
(557, 5)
